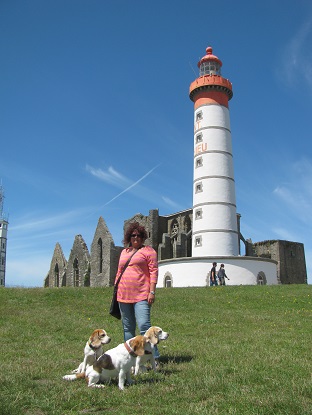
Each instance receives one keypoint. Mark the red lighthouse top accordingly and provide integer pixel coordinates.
(210, 80)
(209, 64)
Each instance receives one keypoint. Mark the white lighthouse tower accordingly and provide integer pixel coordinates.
(214, 204)
(3, 239)
(215, 230)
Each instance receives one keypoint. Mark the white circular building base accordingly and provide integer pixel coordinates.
(194, 272)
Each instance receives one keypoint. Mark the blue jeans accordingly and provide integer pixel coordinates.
(133, 314)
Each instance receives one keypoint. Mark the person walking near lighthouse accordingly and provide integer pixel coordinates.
(222, 275)
(213, 275)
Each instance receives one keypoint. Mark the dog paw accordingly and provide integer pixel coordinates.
(69, 377)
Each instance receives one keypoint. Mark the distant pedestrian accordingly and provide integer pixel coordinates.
(222, 275)
(213, 275)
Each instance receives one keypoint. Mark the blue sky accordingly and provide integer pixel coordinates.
(95, 118)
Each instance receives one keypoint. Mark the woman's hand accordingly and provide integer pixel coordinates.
(151, 298)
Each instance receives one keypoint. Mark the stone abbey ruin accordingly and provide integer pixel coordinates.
(171, 237)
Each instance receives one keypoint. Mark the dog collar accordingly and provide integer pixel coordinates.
(131, 352)
(93, 347)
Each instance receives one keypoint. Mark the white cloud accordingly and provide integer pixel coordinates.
(115, 178)
(171, 203)
(297, 57)
(296, 193)
(31, 222)
(284, 234)
(111, 176)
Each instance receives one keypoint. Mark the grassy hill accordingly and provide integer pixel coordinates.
(232, 350)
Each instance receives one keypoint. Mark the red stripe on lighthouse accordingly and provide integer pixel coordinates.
(211, 97)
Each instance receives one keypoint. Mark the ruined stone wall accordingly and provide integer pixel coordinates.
(104, 257)
(290, 257)
(78, 266)
(171, 237)
(58, 266)
(176, 241)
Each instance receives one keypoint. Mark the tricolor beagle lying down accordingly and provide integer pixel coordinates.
(116, 362)
(154, 334)
(93, 349)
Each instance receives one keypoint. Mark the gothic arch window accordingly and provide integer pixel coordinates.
(174, 229)
(168, 280)
(261, 278)
(100, 255)
(188, 230)
(76, 273)
(187, 224)
(56, 276)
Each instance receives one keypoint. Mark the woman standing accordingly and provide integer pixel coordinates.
(136, 289)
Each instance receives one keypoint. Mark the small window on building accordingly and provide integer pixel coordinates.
(199, 138)
(199, 188)
(199, 116)
(198, 214)
(198, 241)
(199, 162)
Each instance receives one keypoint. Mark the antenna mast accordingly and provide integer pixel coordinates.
(1, 200)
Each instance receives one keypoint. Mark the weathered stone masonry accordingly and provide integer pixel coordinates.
(171, 237)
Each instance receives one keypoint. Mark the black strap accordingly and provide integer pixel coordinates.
(124, 268)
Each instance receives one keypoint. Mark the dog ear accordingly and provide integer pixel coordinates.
(95, 338)
(138, 345)
(152, 335)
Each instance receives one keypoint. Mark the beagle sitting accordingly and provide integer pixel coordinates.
(154, 335)
(116, 362)
(93, 349)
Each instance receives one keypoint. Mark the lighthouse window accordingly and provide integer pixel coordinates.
(199, 162)
(199, 116)
(199, 188)
(198, 241)
(209, 68)
(199, 138)
(198, 214)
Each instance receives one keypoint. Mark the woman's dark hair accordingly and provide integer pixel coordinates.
(134, 226)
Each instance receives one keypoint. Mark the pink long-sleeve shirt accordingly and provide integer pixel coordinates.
(141, 271)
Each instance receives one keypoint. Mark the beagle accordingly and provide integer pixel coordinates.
(154, 335)
(93, 349)
(116, 362)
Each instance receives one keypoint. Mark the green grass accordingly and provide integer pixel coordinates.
(231, 350)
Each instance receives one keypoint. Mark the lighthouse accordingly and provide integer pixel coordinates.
(3, 239)
(215, 230)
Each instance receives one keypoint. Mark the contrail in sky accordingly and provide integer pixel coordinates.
(133, 185)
